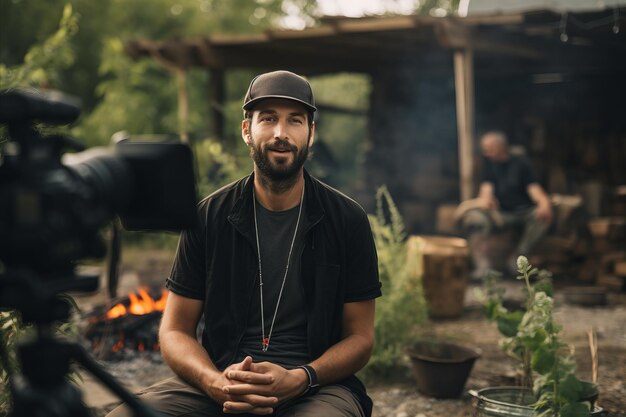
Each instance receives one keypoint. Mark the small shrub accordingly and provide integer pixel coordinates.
(531, 336)
(402, 307)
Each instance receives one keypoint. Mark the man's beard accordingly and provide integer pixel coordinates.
(279, 172)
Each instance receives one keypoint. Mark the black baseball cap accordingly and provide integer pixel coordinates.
(279, 84)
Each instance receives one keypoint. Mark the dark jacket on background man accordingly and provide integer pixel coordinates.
(510, 180)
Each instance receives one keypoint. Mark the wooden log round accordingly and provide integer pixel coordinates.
(445, 275)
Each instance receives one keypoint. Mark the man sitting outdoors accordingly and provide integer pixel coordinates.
(284, 270)
(509, 197)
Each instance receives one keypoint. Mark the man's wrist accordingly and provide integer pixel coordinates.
(313, 385)
(207, 380)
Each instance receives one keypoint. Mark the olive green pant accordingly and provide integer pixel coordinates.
(174, 397)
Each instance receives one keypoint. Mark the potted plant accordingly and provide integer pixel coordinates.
(440, 368)
(531, 336)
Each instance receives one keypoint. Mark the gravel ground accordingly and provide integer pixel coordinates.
(400, 398)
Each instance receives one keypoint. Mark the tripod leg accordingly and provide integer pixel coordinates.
(114, 258)
(139, 408)
(61, 400)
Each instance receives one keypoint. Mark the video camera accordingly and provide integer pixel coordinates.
(50, 213)
(52, 208)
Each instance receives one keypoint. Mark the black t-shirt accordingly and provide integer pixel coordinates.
(510, 180)
(216, 262)
(288, 342)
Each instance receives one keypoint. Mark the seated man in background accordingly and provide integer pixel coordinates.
(509, 196)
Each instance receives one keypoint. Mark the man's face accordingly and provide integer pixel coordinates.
(279, 138)
(493, 148)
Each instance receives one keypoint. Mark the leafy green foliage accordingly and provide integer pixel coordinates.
(402, 308)
(216, 166)
(139, 97)
(532, 337)
(11, 328)
(43, 62)
(134, 98)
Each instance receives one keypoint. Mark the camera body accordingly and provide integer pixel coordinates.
(51, 209)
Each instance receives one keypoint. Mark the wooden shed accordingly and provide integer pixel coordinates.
(554, 81)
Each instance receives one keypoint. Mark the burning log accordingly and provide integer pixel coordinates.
(130, 325)
(138, 306)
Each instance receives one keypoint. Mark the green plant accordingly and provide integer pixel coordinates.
(216, 166)
(43, 62)
(531, 336)
(402, 308)
(13, 329)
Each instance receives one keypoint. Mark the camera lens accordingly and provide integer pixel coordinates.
(109, 177)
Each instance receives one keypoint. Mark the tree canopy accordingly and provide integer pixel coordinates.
(83, 56)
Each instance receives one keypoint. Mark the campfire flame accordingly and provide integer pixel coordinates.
(129, 325)
(141, 303)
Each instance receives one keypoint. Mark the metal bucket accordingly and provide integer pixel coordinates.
(509, 402)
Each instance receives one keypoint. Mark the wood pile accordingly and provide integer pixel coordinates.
(609, 251)
(577, 248)
(563, 251)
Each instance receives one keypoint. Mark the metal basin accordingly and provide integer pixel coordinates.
(509, 402)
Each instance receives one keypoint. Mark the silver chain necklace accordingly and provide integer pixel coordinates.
(266, 340)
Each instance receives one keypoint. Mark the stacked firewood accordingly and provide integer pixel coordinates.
(609, 250)
(564, 251)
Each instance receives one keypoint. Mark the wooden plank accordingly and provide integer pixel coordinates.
(222, 39)
(446, 219)
(183, 104)
(376, 24)
(611, 282)
(464, 87)
(501, 19)
(317, 32)
(620, 268)
(600, 227)
(454, 35)
(208, 56)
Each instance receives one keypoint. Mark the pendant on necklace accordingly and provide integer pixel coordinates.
(266, 343)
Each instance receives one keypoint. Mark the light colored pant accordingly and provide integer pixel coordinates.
(481, 222)
(174, 397)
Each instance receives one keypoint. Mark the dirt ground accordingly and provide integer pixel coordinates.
(399, 396)
(494, 368)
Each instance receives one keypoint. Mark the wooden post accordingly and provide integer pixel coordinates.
(464, 86)
(216, 102)
(183, 104)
